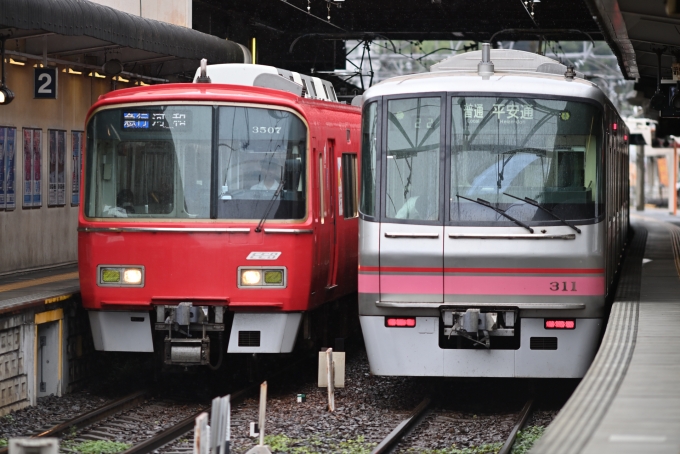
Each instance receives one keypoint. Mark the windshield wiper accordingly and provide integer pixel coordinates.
(497, 210)
(547, 210)
(269, 207)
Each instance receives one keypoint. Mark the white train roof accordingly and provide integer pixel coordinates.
(504, 60)
(261, 76)
(515, 72)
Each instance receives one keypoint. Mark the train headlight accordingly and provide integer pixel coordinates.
(120, 276)
(132, 276)
(261, 277)
(251, 277)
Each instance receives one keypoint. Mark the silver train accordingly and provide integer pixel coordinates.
(494, 212)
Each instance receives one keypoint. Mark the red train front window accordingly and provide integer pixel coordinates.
(164, 161)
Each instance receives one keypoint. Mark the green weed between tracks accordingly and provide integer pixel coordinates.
(95, 447)
(283, 444)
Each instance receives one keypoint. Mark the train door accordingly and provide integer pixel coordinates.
(332, 193)
(326, 227)
(412, 227)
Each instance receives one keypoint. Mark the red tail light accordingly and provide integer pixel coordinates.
(615, 126)
(400, 322)
(560, 324)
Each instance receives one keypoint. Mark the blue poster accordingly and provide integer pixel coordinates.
(2, 168)
(76, 141)
(28, 168)
(10, 169)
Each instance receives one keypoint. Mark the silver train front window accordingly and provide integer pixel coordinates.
(413, 155)
(504, 150)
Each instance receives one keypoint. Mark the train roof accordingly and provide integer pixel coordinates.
(515, 72)
(213, 92)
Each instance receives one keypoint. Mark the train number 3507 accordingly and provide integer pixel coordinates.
(266, 130)
(563, 286)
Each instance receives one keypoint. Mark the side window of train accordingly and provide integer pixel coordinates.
(369, 158)
(349, 186)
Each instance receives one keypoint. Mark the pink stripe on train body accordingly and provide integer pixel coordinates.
(481, 285)
(369, 283)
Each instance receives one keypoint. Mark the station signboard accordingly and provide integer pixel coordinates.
(45, 83)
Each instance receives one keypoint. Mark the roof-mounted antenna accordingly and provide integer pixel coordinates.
(203, 78)
(485, 67)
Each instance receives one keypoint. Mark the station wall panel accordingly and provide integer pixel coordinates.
(34, 237)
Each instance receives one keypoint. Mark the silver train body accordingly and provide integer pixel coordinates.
(494, 212)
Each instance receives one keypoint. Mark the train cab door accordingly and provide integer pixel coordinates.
(331, 194)
(412, 188)
(326, 227)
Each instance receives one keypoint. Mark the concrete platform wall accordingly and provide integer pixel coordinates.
(61, 365)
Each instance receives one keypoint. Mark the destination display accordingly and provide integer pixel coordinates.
(157, 121)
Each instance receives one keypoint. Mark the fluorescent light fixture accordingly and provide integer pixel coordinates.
(120, 79)
(97, 75)
(16, 62)
(71, 71)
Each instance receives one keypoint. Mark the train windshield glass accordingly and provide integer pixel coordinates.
(149, 162)
(157, 162)
(261, 151)
(413, 156)
(504, 150)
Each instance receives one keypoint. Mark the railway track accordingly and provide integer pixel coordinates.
(92, 417)
(140, 420)
(408, 425)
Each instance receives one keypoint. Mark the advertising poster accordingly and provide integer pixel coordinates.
(61, 168)
(10, 169)
(76, 141)
(28, 168)
(2, 168)
(52, 174)
(37, 167)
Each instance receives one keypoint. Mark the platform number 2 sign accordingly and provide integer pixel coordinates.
(45, 83)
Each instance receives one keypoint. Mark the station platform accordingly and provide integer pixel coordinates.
(44, 336)
(629, 401)
(19, 291)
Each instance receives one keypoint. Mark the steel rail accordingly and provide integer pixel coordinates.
(94, 416)
(521, 420)
(398, 433)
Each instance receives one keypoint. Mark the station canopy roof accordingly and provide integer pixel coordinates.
(87, 35)
(637, 30)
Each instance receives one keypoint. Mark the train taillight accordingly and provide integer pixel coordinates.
(559, 324)
(400, 322)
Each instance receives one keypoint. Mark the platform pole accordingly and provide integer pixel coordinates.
(640, 179)
(673, 185)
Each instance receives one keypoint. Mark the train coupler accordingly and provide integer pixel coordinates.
(478, 326)
(187, 352)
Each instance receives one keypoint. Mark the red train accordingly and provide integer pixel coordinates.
(218, 217)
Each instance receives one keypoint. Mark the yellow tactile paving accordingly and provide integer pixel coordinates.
(34, 282)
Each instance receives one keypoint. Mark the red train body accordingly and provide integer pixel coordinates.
(193, 226)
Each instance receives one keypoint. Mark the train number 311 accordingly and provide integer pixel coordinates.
(555, 286)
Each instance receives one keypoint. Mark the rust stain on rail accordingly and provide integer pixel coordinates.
(34, 282)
